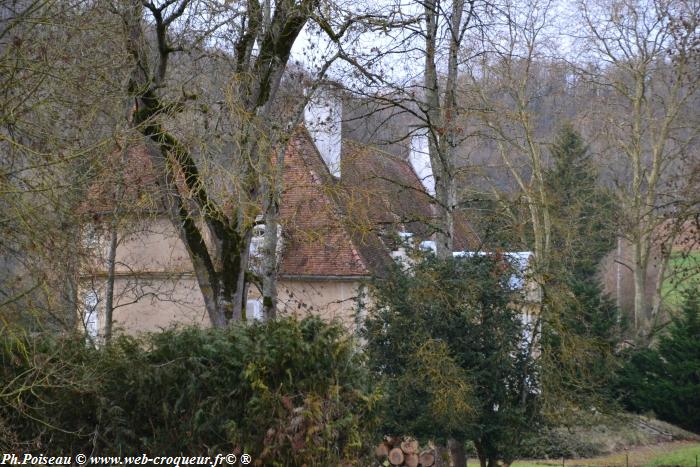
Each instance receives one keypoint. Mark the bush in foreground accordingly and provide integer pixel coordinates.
(287, 392)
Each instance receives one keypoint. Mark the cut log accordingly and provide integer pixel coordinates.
(396, 456)
(381, 451)
(393, 441)
(411, 460)
(427, 458)
(409, 446)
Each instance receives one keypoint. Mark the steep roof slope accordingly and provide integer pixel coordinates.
(317, 242)
(127, 182)
(395, 199)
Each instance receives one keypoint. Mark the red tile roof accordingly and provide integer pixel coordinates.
(331, 227)
(316, 240)
(127, 183)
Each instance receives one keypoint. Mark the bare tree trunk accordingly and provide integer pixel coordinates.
(272, 191)
(221, 264)
(269, 269)
(640, 305)
(109, 288)
(441, 119)
(434, 126)
(481, 454)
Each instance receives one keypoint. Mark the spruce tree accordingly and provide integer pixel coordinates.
(666, 380)
(581, 211)
(580, 208)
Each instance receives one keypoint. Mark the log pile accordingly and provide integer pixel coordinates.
(395, 451)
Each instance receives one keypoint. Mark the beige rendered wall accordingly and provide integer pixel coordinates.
(146, 245)
(329, 299)
(157, 303)
(167, 301)
(156, 288)
(149, 303)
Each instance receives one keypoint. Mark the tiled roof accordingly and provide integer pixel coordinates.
(315, 238)
(376, 196)
(126, 183)
(386, 187)
(393, 195)
(331, 227)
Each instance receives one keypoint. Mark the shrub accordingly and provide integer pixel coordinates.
(287, 392)
(47, 394)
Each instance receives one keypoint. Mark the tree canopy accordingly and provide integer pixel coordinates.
(456, 355)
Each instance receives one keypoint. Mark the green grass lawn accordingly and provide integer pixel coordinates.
(683, 274)
(668, 454)
(687, 456)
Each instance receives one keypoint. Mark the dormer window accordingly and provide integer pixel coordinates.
(257, 241)
(400, 253)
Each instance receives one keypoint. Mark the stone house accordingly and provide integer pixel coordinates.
(344, 210)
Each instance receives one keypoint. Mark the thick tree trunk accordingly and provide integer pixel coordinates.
(480, 454)
(459, 457)
(269, 270)
(220, 265)
(435, 128)
(445, 192)
(436, 144)
(441, 456)
(442, 118)
(271, 246)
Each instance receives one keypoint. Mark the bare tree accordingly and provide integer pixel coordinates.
(507, 83)
(216, 230)
(441, 108)
(57, 104)
(643, 53)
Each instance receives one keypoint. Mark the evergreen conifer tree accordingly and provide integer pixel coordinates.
(581, 212)
(666, 380)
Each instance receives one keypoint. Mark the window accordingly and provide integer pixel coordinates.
(90, 237)
(257, 245)
(254, 310)
(91, 314)
(257, 241)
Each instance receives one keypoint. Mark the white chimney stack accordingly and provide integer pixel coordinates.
(323, 117)
(419, 157)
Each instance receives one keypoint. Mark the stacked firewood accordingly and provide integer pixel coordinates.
(395, 451)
